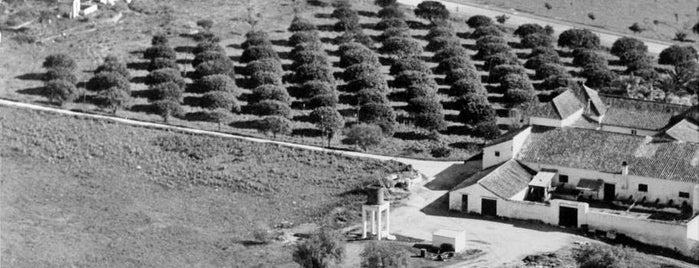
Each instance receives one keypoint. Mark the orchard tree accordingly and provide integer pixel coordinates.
(274, 124)
(624, 45)
(328, 120)
(479, 21)
(221, 66)
(271, 107)
(379, 114)
(528, 28)
(475, 108)
(164, 75)
(578, 38)
(60, 74)
(113, 98)
(409, 64)
(60, 91)
(220, 116)
(269, 92)
(113, 64)
(220, 100)
(677, 55)
(432, 10)
(105, 80)
(59, 61)
(166, 90)
(385, 3)
(364, 135)
(217, 82)
(487, 129)
(391, 11)
(299, 24)
(168, 108)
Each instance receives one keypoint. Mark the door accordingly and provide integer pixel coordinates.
(489, 207)
(567, 216)
(464, 203)
(609, 192)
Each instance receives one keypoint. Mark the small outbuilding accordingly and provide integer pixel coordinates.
(455, 238)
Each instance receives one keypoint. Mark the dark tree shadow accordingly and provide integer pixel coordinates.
(323, 15)
(31, 76)
(328, 40)
(457, 130)
(348, 112)
(516, 45)
(141, 65)
(197, 116)
(192, 101)
(184, 49)
(143, 108)
(306, 132)
(184, 61)
(247, 124)
(298, 105)
(37, 91)
(138, 80)
(417, 25)
(411, 136)
(146, 93)
(350, 99)
(280, 42)
(369, 14)
(450, 105)
(235, 45)
(302, 118)
(326, 28)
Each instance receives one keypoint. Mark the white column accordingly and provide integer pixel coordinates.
(380, 229)
(388, 220)
(373, 221)
(363, 222)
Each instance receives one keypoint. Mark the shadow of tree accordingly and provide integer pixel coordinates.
(31, 77)
(37, 91)
(306, 132)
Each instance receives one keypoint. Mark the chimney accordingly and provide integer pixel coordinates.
(624, 168)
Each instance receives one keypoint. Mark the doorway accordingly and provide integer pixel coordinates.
(567, 216)
(609, 192)
(489, 207)
(464, 203)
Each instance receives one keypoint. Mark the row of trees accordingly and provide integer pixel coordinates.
(59, 79)
(165, 83)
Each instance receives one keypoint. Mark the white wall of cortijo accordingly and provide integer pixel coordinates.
(626, 130)
(504, 150)
(475, 193)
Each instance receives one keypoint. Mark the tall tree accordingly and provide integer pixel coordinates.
(328, 120)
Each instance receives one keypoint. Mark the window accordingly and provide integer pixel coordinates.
(633, 132)
(563, 178)
(684, 194)
(643, 188)
(497, 153)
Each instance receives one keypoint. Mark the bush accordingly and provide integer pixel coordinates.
(165, 75)
(220, 100)
(359, 70)
(114, 65)
(315, 88)
(516, 81)
(258, 52)
(454, 63)
(166, 90)
(355, 56)
(485, 31)
(467, 87)
(424, 105)
(264, 78)
(430, 121)
(415, 91)
(208, 56)
(269, 92)
(497, 73)
(159, 39)
(440, 31)
(598, 255)
(537, 40)
(113, 98)
(549, 69)
(264, 65)
(208, 46)
(59, 61)
(347, 25)
(217, 82)
(105, 80)
(60, 91)
(441, 151)
(379, 114)
(368, 95)
(392, 11)
(432, 11)
(552, 82)
(345, 48)
(409, 64)
(223, 66)
(390, 23)
(256, 42)
(274, 124)
(529, 28)
(161, 63)
(676, 55)
(450, 52)
(625, 45)
(458, 74)
(489, 39)
(299, 24)
(394, 32)
(205, 23)
(374, 81)
(540, 60)
(491, 49)
(271, 107)
(578, 38)
(310, 57)
(413, 78)
(648, 75)
(323, 100)
(168, 108)
(61, 74)
(598, 77)
(160, 52)
(303, 37)
(475, 108)
(309, 72)
(259, 34)
(584, 58)
(344, 12)
(327, 120)
(439, 43)
(501, 59)
(401, 47)
(479, 21)
(487, 129)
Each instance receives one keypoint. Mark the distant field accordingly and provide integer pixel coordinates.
(662, 19)
(88, 193)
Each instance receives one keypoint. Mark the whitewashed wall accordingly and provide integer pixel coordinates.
(625, 130)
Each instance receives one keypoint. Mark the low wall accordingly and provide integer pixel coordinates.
(526, 210)
(693, 229)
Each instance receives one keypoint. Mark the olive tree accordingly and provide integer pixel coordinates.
(364, 135)
(328, 121)
(274, 124)
(60, 91)
(432, 11)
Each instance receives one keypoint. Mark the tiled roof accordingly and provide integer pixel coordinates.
(567, 104)
(640, 114)
(598, 106)
(685, 130)
(544, 110)
(605, 151)
(507, 180)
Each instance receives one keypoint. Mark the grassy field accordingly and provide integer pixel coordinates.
(662, 19)
(88, 193)
(564, 258)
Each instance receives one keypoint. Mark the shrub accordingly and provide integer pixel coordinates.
(364, 135)
(308, 72)
(409, 64)
(529, 28)
(542, 50)
(489, 39)
(563, 80)
(369, 95)
(458, 74)
(315, 88)
(347, 25)
(258, 34)
(467, 87)
(310, 57)
(486, 30)
(274, 124)
(424, 105)
(516, 81)
(379, 114)
(537, 40)
(160, 52)
(578, 38)
(500, 59)
(271, 107)
(168, 108)
(217, 82)
(487, 129)
(159, 39)
(344, 12)
(676, 55)
(345, 48)
(479, 21)
(497, 73)
(258, 52)
(440, 31)
(299, 24)
(321, 249)
(625, 45)
(61, 74)
(441, 151)
(59, 61)
(220, 100)
(264, 65)
(392, 11)
(303, 37)
(401, 47)
(264, 78)
(449, 52)
(385, 3)
(474, 109)
(323, 100)
(541, 59)
(374, 81)
(114, 65)
(421, 90)
(648, 75)
(328, 121)
(105, 80)
(256, 42)
(161, 63)
(206, 36)
(598, 255)
(430, 121)
(432, 11)
(394, 32)
(355, 56)
(208, 46)
(390, 23)
(270, 92)
(359, 70)
(113, 98)
(208, 56)
(454, 63)
(584, 58)
(60, 91)
(165, 75)
(439, 43)
(413, 78)
(357, 36)
(491, 49)
(223, 66)
(549, 69)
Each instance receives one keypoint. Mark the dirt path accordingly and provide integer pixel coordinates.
(607, 38)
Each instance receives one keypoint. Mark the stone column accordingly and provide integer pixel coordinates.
(373, 222)
(379, 223)
(388, 219)
(363, 222)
